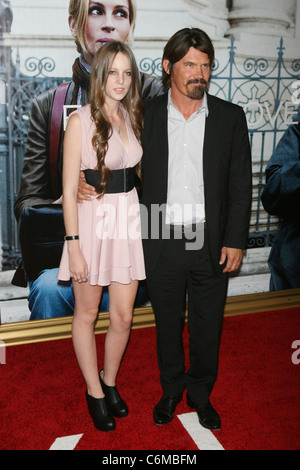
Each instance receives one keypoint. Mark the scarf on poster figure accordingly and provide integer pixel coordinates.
(81, 77)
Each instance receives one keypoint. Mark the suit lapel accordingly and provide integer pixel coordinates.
(211, 130)
(162, 128)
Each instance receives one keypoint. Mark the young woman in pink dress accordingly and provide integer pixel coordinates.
(103, 242)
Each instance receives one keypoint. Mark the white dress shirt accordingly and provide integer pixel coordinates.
(185, 199)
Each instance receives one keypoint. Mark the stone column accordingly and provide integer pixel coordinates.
(267, 17)
(209, 15)
(297, 20)
(5, 164)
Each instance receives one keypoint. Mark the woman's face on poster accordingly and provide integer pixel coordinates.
(108, 20)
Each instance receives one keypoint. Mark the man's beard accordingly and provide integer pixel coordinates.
(196, 92)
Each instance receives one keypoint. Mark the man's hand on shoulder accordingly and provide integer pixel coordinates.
(85, 190)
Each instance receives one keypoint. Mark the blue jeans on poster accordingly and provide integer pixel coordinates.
(50, 298)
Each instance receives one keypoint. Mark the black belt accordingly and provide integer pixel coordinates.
(191, 228)
(120, 181)
(186, 232)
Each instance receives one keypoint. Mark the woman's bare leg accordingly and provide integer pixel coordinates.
(121, 301)
(87, 299)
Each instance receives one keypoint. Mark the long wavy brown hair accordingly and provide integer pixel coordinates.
(132, 102)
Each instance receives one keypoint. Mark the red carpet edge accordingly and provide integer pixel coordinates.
(59, 328)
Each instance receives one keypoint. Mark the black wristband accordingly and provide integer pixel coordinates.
(73, 237)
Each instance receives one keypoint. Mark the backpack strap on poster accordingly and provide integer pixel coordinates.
(55, 133)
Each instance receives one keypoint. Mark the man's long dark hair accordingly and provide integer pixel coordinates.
(180, 43)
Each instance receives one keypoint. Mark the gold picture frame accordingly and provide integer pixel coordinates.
(13, 334)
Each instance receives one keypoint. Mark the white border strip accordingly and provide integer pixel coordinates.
(66, 443)
(203, 438)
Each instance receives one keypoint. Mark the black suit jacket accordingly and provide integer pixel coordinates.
(226, 173)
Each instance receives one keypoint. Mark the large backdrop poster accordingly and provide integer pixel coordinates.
(257, 66)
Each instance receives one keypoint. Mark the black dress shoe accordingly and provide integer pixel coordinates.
(101, 416)
(164, 411)
(208, 417)
(116, 404)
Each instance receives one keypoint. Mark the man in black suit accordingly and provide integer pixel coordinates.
(197, 183)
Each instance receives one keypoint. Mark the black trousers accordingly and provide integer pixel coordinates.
(180, 271)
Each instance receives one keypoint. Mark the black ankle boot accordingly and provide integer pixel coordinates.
(116, 404)
(101, 416)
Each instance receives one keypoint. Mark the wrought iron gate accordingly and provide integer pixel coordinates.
(261, 86)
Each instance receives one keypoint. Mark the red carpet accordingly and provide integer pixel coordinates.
(257, 392)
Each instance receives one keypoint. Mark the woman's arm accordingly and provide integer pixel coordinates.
(71, 170)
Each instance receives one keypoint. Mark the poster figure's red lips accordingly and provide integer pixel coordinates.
(105, 40)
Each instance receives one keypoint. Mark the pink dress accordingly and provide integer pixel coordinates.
(109, 227)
